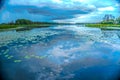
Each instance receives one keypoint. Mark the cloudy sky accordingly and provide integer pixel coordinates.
(58, 10)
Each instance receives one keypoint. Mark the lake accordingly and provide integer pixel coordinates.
(66, 52)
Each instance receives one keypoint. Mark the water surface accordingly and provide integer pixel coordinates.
(60, 53)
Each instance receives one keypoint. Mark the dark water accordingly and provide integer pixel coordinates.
(60, 53)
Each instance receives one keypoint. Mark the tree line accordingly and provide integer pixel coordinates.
(25, 22)
(110, 19)
(107, 19)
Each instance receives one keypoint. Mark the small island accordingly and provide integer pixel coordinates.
(109, 22)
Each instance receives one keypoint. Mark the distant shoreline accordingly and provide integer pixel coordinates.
(17, 27)
(104, 26)
(21, 24)
(4, 27)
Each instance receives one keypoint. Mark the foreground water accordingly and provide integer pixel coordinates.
(60, 53)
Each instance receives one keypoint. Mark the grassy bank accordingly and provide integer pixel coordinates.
(8, 26)
(104, 26)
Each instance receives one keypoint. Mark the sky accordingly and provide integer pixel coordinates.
(72, 11)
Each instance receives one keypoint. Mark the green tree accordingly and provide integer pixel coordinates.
(108, 19)
(108, 22)
(23, 21)
(118, 20)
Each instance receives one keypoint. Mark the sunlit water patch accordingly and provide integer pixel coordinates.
(60, 53)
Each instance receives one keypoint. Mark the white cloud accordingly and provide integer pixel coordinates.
(109, 8)
(58, 1)
(79, 0)
(117, 4)
(94, 6)
(81, 18)
(64, 4)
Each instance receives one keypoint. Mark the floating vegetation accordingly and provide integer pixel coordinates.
(6, 51)
(32, 55)
(6, 55)
(27, 57)
(12, 36)
(10, 57)
(37, 57)
(34, 42)
(41, 57)
(23, 42)
(20, 45)
(17, 61)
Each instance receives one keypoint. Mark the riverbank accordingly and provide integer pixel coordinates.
(105, 26)
(30, 26)
(21, 27)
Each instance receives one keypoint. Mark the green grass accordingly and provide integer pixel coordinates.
(8, 26)
(22, 27)
(103, 25)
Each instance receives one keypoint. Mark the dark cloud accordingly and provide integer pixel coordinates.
(57, 13)
(51, 13)
(1, 3)
(118, 1)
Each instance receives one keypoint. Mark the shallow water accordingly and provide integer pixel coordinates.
(60, 53)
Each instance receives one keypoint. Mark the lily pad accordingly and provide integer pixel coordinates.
(6, 55)
(41, 57)
(32, 55)
(17, 61)
(27, 57)
(6, 51)
(37, 56)
(10, 57)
